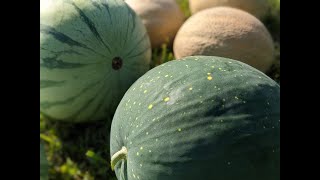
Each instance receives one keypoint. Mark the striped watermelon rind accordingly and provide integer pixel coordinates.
(81, 43)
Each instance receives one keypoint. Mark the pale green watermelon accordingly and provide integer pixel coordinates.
(91, 51)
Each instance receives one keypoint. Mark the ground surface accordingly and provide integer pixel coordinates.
(81, 152)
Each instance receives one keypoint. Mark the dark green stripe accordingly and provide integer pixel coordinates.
(91, 26)
(60, 36)
(64, 38)
(133, 15)
(101, 101)
(86, 105)
(50, 83)
(127, 29)
(59, 53)
(46, 105)
(77, 113)
(54, 63)
(97, 5)
(140, 53)
(137, 45)
(106, 6)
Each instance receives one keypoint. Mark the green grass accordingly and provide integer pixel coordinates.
(81, 152)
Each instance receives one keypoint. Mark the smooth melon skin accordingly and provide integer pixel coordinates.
(162, 18)
(43, 164)
(91, 52)
(258, 8)
(226, 32)
(198, 118)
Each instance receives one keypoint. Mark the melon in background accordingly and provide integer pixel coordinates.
(226, 32)
(258, 8)
(90, 54)
(162, 19)
(198, 118)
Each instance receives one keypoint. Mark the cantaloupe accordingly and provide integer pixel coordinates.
(226, 32)
(258, 8)
(162, 19)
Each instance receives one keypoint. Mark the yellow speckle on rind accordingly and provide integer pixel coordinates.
(166, 99)
(179, 129)
(145, 91)
(166, 75)
(137, 153)
(190, 89)
(150, 106)
(141, 148)
(209, 78)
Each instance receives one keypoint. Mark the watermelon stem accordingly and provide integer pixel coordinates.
(117, 63)
(122, 154)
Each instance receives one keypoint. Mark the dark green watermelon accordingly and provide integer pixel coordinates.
(198, 118)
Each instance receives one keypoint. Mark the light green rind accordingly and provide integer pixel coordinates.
(199, 118)
(78, 41)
